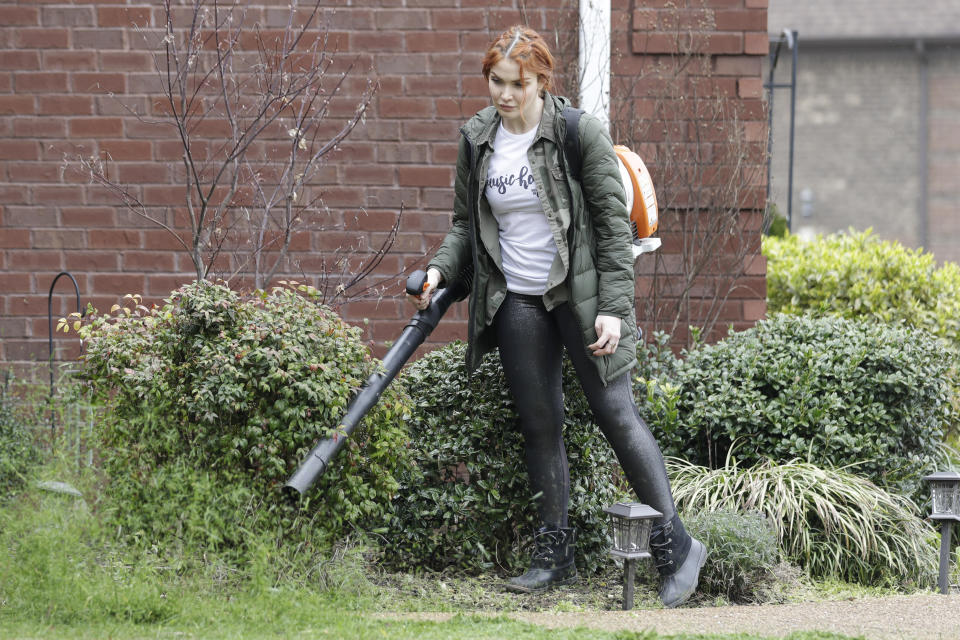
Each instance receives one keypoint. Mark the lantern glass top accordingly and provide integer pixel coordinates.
(945, 495)
(630, 527)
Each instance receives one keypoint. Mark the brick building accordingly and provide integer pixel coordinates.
(878, 119)
(73, 75)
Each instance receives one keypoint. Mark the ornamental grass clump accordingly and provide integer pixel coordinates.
(468, 503)
(830, 522)
(212, 400)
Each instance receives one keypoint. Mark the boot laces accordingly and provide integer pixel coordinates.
(544, 544)
(662, 549)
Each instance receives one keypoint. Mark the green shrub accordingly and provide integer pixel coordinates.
(857, 275)
(469, 505)
(830, 391)
(211, 402)
(17, 451)
(832, 523)
(656, 358)
(777, 223)
(744, 556)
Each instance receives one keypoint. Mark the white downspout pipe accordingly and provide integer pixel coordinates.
(594, 59)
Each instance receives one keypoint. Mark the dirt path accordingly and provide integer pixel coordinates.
(915, 617)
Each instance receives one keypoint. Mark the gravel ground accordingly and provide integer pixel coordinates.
(918, 617)
(914, 617)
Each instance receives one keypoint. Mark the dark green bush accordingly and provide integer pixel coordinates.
(744, 556)
(829, 391)
(857, 275)
(213, 400)
(468, 505)
(17, 451)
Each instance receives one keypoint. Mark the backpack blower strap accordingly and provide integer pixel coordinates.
(571, 141)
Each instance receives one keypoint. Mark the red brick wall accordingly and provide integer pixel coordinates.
(698, 120)
(68, 72)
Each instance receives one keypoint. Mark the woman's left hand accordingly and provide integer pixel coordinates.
(608, 335)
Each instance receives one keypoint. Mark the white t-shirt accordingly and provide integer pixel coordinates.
(526, 241)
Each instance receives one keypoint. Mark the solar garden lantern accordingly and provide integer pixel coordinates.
(945, 494)
(630, 526)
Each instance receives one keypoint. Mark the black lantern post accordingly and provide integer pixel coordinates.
(630, 527)
(945, 498)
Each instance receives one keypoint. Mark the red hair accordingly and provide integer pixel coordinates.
(527, 48)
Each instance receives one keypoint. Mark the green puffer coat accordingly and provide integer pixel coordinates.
(593, 270)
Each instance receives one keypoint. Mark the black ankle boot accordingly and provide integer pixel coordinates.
(679, 558)
(552, 562)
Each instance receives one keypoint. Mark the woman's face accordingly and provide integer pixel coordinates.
(517, 101)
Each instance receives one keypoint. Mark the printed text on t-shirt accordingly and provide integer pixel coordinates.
(525, 180)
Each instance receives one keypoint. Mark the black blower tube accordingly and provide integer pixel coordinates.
(416, 331)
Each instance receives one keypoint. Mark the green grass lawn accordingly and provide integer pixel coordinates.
(61, 576)
(289, 614)
(64, 573)
(331, 624)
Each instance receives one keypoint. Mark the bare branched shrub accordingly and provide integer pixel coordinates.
(691, 128)
(257, 111)
(704, 148)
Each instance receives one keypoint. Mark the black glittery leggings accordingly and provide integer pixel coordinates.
(531, 341)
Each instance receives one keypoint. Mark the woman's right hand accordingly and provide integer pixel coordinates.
(422, 301)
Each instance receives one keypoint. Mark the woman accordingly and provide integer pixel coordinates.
(554, 269)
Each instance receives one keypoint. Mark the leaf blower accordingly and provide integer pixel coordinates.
(416, 331)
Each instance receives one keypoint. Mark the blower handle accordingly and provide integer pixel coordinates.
(417, 283)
